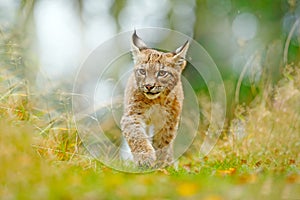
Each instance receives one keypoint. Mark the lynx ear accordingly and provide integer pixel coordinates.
(137, 45)
(180, 53)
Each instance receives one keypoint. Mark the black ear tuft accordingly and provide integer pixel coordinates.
(181, 51)
(137, 45)
(137, 42)
(179, 55)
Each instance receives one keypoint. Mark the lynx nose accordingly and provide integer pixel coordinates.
(149, 87)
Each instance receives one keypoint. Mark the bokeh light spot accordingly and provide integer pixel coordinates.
(245, 26)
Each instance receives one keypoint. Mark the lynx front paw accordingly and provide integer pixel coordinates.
(164, 157)
(145, 159)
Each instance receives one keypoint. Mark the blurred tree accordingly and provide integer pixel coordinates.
(116, 9)
(211, 23)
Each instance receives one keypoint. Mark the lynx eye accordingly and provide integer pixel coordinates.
(141, 71)
(162, 73)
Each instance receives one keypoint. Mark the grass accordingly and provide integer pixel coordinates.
(43, 158)
(25, 175)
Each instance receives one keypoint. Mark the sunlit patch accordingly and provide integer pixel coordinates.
(187, 189)
(58, 37)
(226, 172)
(245, 26)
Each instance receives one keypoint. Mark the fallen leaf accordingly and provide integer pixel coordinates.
(257, 164)
(164, 171)
(243, 161)
(229, 171)
(293, 178)
(187, 167)
(248, 178)
(292, 161)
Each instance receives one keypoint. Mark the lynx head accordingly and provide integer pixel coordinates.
(157, 72)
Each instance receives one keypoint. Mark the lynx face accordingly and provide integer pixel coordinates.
(153, 77)
(157, 72)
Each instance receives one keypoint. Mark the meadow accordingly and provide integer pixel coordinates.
(42, 157)
(257, 155)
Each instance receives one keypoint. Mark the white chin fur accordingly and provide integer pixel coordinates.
(152, 96)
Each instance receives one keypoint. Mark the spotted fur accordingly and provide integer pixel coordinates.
(153, 103)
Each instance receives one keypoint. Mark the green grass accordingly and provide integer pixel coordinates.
(256, 158)
(26, 175)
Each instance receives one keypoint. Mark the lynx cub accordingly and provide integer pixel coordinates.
(153, 103)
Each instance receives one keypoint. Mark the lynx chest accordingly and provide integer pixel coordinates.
(155, 119)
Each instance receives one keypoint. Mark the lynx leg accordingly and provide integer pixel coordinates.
(140, 146)
(163, 144)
